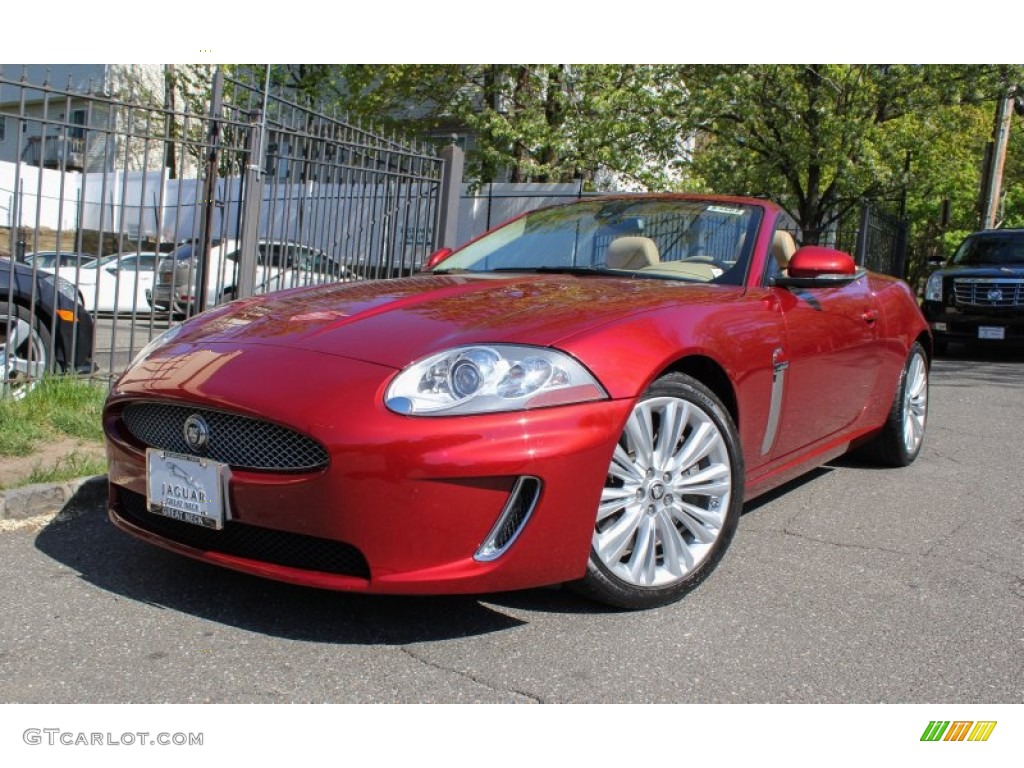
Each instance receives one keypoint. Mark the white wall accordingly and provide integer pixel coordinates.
(493, 204)
(343, 219)
(44, 206)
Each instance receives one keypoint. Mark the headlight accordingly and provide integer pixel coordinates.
(484, 379)
(933, 289)
(64, 287)
(155, 344)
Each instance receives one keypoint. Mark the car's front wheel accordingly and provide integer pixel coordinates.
(24, 350)
(671, 500)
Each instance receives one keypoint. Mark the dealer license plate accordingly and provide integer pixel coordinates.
(186, 488)
(995, 332)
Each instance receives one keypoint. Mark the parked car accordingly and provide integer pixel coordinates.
(978, 296)
(43, 328)
(586, 394)
(53, 260)
(116, 283)
(279, 265)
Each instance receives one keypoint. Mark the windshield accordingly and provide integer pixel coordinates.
(698, 240)
(992, 248)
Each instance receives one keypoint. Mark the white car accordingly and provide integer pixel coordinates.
(51, 261)
(279, 265)
(115, 283)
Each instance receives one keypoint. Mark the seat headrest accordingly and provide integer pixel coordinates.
(632, 253)
(783, 248)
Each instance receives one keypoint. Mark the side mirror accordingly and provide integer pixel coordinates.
(436, 258)
(814, 265)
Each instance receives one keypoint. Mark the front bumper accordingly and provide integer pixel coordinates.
(74, 339)
(410, 499)
(160, 298)
(951, 323)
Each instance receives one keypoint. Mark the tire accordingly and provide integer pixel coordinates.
(24, 351)
(658, 533)
(903, 434)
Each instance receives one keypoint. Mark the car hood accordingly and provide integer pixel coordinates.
(985, 270)
(393, 322)
(22, 274)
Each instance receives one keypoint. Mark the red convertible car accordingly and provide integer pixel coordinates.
(587, 394)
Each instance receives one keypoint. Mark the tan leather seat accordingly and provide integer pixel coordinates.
(783, 248)
(632, 253)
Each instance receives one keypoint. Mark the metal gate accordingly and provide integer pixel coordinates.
(121, 201)
(876, 240)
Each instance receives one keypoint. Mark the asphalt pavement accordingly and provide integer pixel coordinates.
(854, 584)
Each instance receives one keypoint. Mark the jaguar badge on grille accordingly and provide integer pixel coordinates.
(197, 433)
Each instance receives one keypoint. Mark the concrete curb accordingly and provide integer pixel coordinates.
(44, 498)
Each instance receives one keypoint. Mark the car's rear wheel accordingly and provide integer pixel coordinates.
(900, 440)
(24, 350)
(671, 500)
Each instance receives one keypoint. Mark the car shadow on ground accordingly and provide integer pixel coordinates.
(782, 490)
(83, 539)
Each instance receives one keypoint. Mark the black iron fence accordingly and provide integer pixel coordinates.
(877, 240)
(881, 243)
(150, 213)
(119, 214)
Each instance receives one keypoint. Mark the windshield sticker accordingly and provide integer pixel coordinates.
(724, 209)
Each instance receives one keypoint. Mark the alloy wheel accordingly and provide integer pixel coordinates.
(915, 403)
(22, 356)
(665, 501)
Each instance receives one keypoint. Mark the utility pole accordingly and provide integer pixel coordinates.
(997, 159)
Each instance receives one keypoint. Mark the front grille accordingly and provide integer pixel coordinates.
(294, 550)
(989, 292)
(235, 440)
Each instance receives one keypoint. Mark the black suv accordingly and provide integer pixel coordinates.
(979, 295)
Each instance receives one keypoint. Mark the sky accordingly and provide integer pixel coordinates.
(458, 31)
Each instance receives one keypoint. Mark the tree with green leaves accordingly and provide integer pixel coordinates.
(822, 138)
(818, 139)
(537, 122)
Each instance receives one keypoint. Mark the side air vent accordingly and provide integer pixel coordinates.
(510, 522)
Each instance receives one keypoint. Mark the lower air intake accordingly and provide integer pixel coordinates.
(512, 519)
(294, 550)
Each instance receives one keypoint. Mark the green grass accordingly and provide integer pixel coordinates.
(71, 466)
(58, 407)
